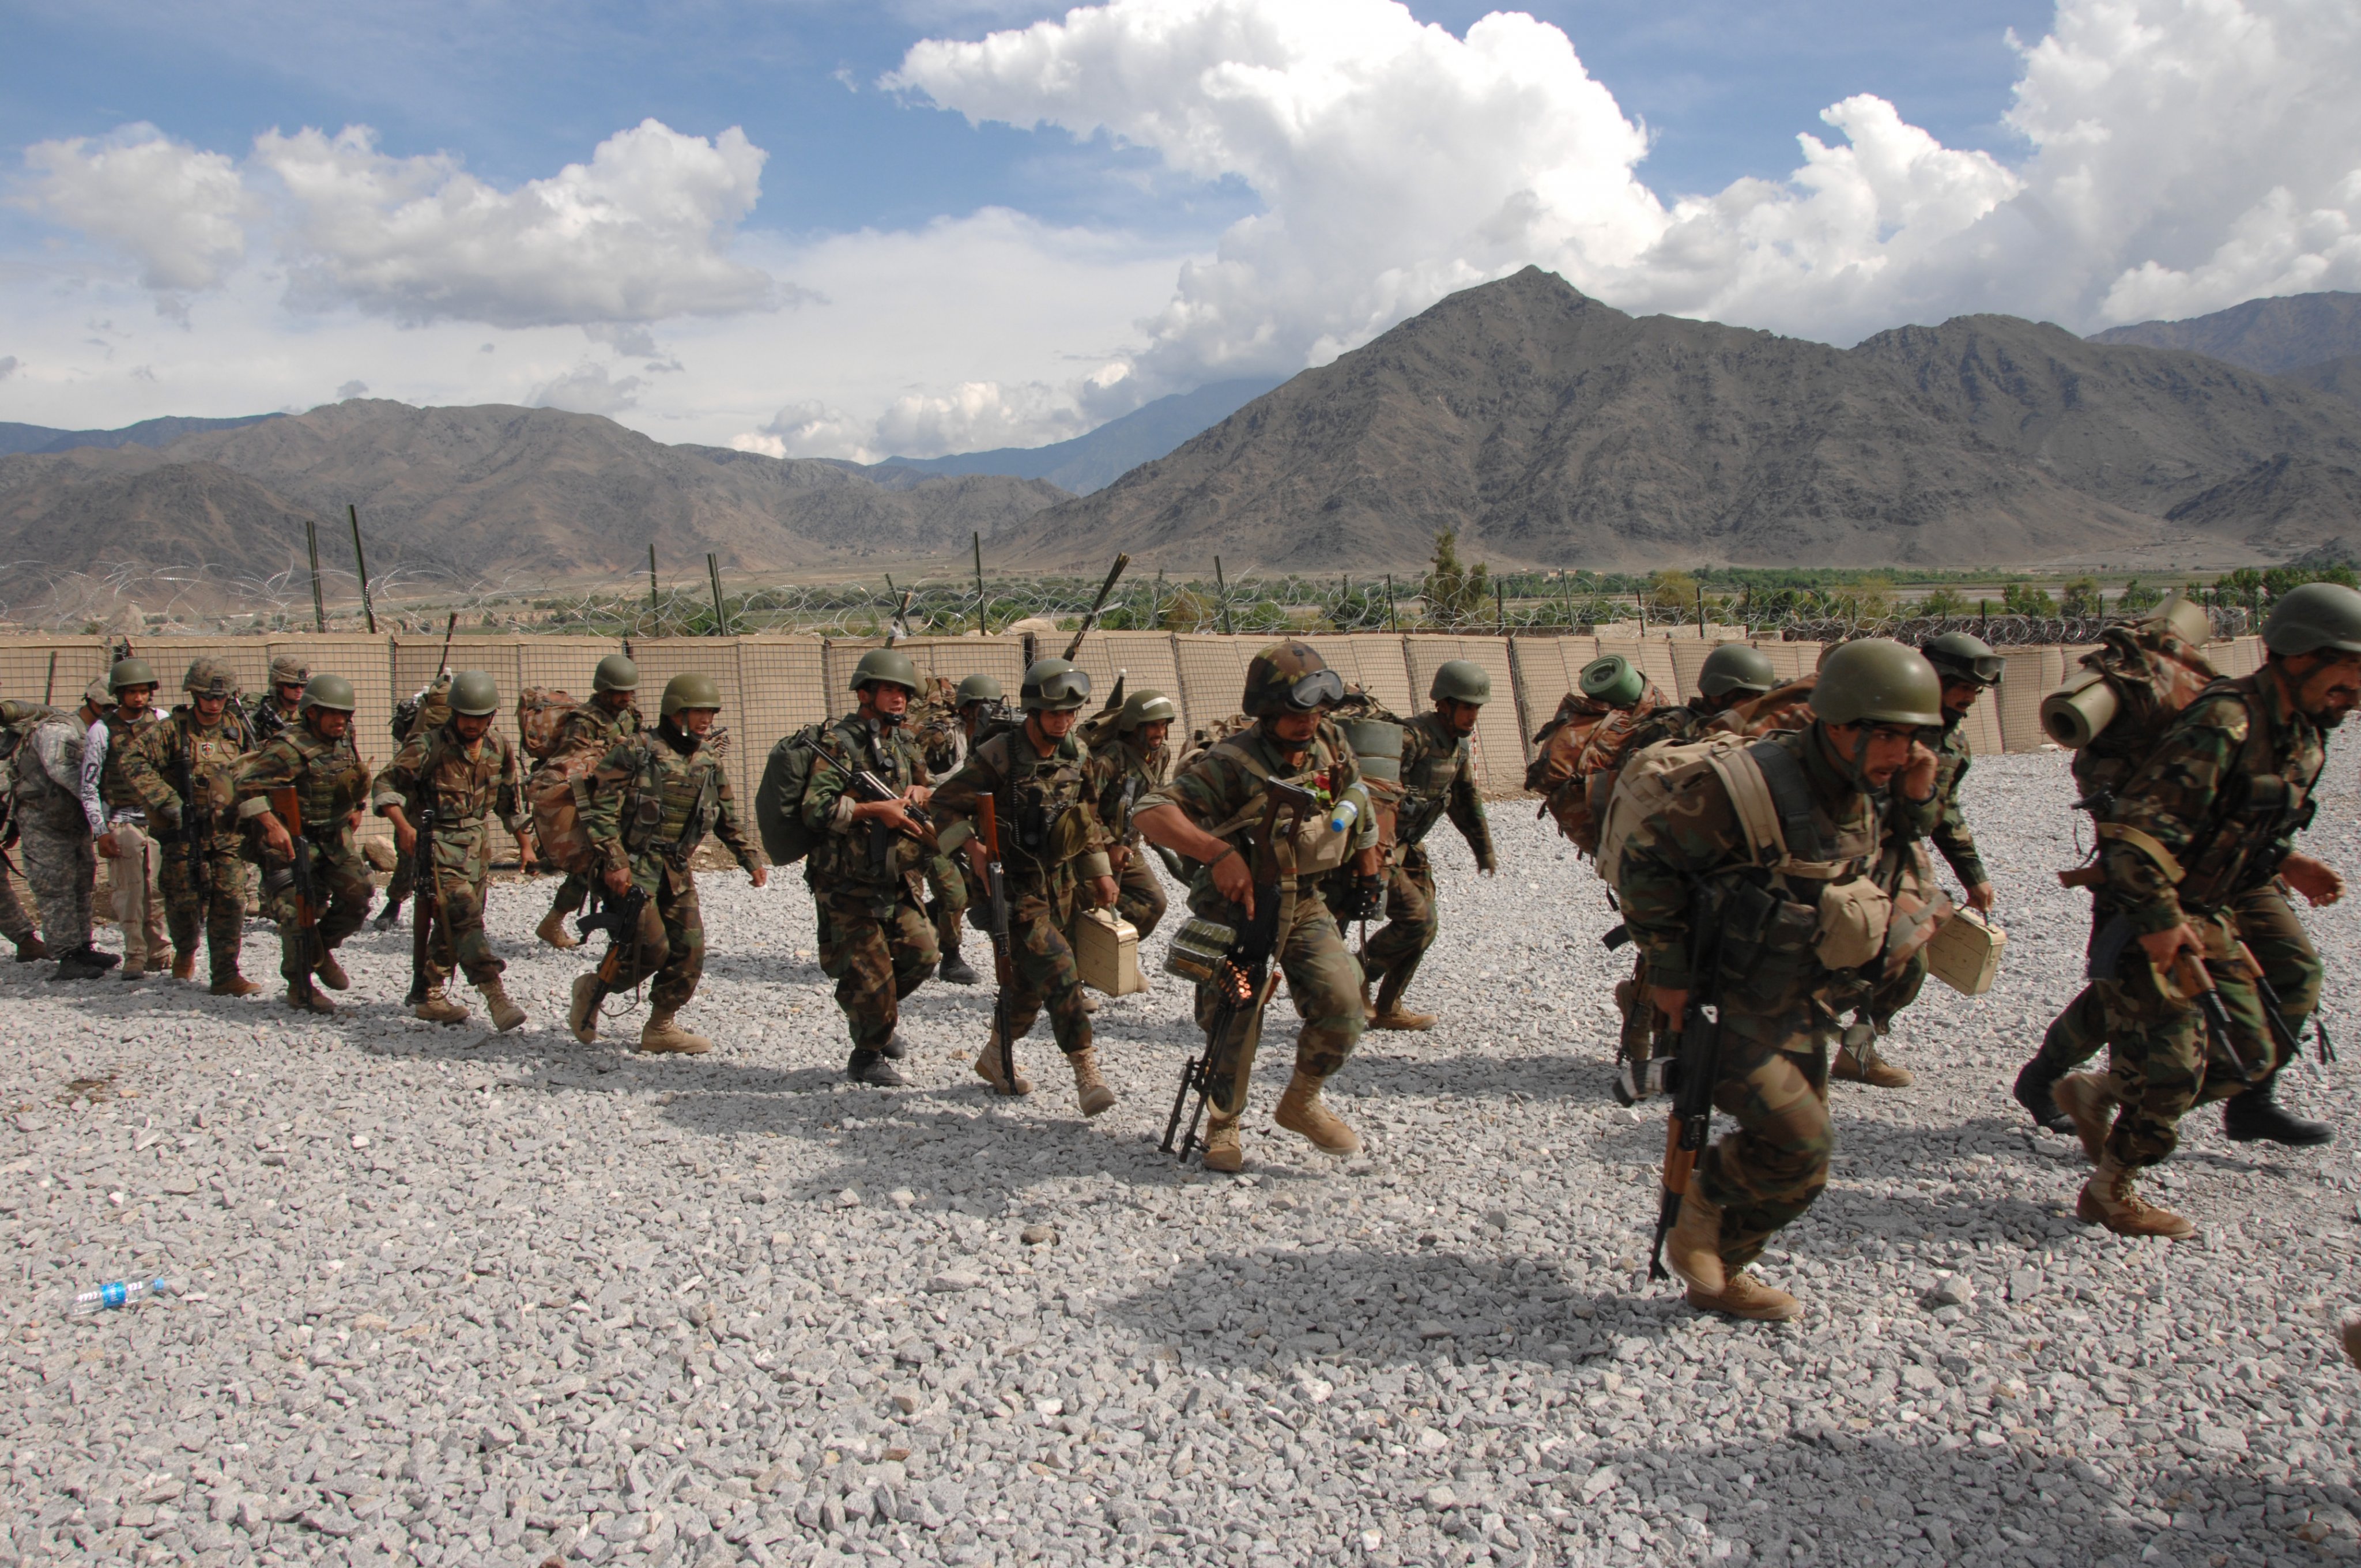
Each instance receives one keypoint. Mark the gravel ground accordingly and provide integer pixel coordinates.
(459, 1299)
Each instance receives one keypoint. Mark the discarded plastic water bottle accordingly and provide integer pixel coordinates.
(121, 1293)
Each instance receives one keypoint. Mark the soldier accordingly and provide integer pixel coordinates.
(1208, 814)
(983, 705)
(1127, 764)
(429, 709)
(1053, 848)
(2195, 852)
(180, 770)
(60, 862)
(653, 800)
(1438, 779)
(315, 757)
(611, 717)
(1770, 920)
(464, 774)
(278, 707)
(118, 822)
(1968, 668)
(978, 698)
(865, 864)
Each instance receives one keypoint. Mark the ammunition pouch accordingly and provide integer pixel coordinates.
(1849, 930)
(1765, 941)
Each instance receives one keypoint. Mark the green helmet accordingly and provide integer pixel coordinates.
(2305, 620)
(1290, 677)
(331, 692)
(287, 670)
(1053, 685)
(1737, 667)
(1460, 680)
(1612, 679)
(1962, 656)
(1876, 680)
(207, 677)
(1146, 707)
(474, 693)
(979, 688)
(129, 673)
(691, 689)
(615, 674)
(889, 667)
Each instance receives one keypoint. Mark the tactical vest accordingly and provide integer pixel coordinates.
(1039, 803)
(1426, 782)
(114, 790)
(1135, 775)
(674, 800)
(879, 858)
(211, 755)
(1314, 847)
(464, 790)
(331, 783)
(2269, 799)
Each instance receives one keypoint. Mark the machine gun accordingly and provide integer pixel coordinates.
(620, 918)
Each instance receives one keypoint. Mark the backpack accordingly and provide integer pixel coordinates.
(2154, 673)
(779, 798)
(1583, 738)
(426, 710)
(540, 709)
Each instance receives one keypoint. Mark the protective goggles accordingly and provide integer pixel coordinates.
(1324, 688)
(1067, 686)
(1984, 669)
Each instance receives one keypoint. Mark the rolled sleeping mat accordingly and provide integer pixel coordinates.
(1378, 743)
(2076, 713)
(1614, 680)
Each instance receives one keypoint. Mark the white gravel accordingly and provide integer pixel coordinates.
(468, 1300)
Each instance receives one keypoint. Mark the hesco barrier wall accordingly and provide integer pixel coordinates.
(773, 685)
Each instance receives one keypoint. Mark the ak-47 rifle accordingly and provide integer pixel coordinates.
(870, 787)
(1693, 1070)
(2276, 1010)
(425, 903)
(1074, 645)
(288, 805)
(194, 820)
(620, 918)
(1244, 978)
(995, 925)
(2194, 974)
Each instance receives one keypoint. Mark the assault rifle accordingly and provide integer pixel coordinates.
(288, 805)
(423, 902)
(2276, 1010)
(870, 787)
(995, 925)
(1075, 644)
(2194, 973)
(1244, 979)
(1693, 1073)
(193, 822)
(620, 918)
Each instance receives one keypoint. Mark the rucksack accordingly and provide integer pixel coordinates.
(540, 710)
(430, 709)
(779, 798)
(2154, 673)
(1584, 737)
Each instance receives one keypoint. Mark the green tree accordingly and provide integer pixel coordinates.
(2020, 598)
(1186, 610)
(1944, 601)
(2137, 599)
(2082, 597)
(1672, 592)
(1455, 593)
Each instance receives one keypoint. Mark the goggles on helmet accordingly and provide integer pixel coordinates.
(1066, 686)
(1321, 688)
(1986, 668)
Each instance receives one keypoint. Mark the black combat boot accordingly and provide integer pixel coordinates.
(2036, 1083)
(389, 916)
(956, 971)
(895, 1046)
(870, 1068)
(2255, 1117)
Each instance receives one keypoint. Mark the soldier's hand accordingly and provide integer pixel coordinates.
(1102, 893)
(919, 794)
(1980, 898)
(274, 835)
(106, 845)
(2163, 948)
(617, 881)
(2315, 879)
(1674, 1004)
(1235, 880)
(405, 836)
(761, 875)
(890, 812)
(525, 862)
(1917, 777)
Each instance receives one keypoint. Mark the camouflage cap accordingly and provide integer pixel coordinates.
(207, 677)
(287, 670)
(98, 694)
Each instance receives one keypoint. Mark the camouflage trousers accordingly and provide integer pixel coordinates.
(1637, 1041)
(1395, 948)
(206, 890)
(1322, 977)
(1042, 972)
(948, 904)
(1886, 1002)
(61, 867)
(875, 959)
(670, 947)
(15, 920)
(462, 872)
(573, 893)
(340, 880)
(135, 895)
(1139, 893)
(1773, 1080)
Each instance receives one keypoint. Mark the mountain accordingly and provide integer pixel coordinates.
(1091, 462)
(15, 438)
(2274, 335)
(1551, 430)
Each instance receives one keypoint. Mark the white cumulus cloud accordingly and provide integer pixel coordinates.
(179, 212)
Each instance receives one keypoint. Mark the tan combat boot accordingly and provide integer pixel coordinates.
(232, 983)
(2089, 1101)
(332, 973)
(1389, 1014)
(1693, 1250)
(306, 999)
(662, 1037)
(1743, 1296)
(1867, 1066)
(987, 1068)
(553, 930)
(1224, 1152)
(506, 1014)
(2108, 1200)
(1090, 1088)
(2352, 1341)
(436, 1007)
(1369, 1008)
(184, 963)
(1300, 1111)
(582, 1015)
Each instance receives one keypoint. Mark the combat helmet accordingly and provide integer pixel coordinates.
(1964, 656)
(979, 688)
(1053, 685)
(1460, 680)
(1737, 667)
(473, 694)
(1146, 707)
(615, 674)
(131, 672)
(2311, 618)
(329, 691)
(1290, 677)
(287, 670)
(1875, 680)
(887, 666)
(207, 677)
(691, 689)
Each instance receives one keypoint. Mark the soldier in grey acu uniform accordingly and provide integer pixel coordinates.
(60, 861)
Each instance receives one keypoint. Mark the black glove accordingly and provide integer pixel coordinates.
(1362, 898)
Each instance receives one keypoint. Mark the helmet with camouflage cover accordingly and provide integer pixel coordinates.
(888, 667)
(328, 691)
(2313, 617)
(473, 694)
(979, 688)
(615, 674)
(687, 690)
(1875, 680)
(1290, 677)
(1146, 707)
(207, 677)
(98, 694)
(1737, 667)
(1964, 656)
(1053, 685)
(132, 672)
(287, 670)
(1460, 680)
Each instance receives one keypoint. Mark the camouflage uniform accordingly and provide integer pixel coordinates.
(1216, 790)
(874, 939)
(1779, 1021)
(1941, 820)
(60, 864)
(331, 784)
(1675, 724)
(944, 748)
(419, 716)
(204, 883)
(587, 727)
(2197, 799)
(1051, 842)
(464, 783)
(1120, 774)
(653, 800)
(1438, 779)
(134, 882)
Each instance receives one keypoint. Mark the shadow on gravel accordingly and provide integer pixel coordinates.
(1576, 1080)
